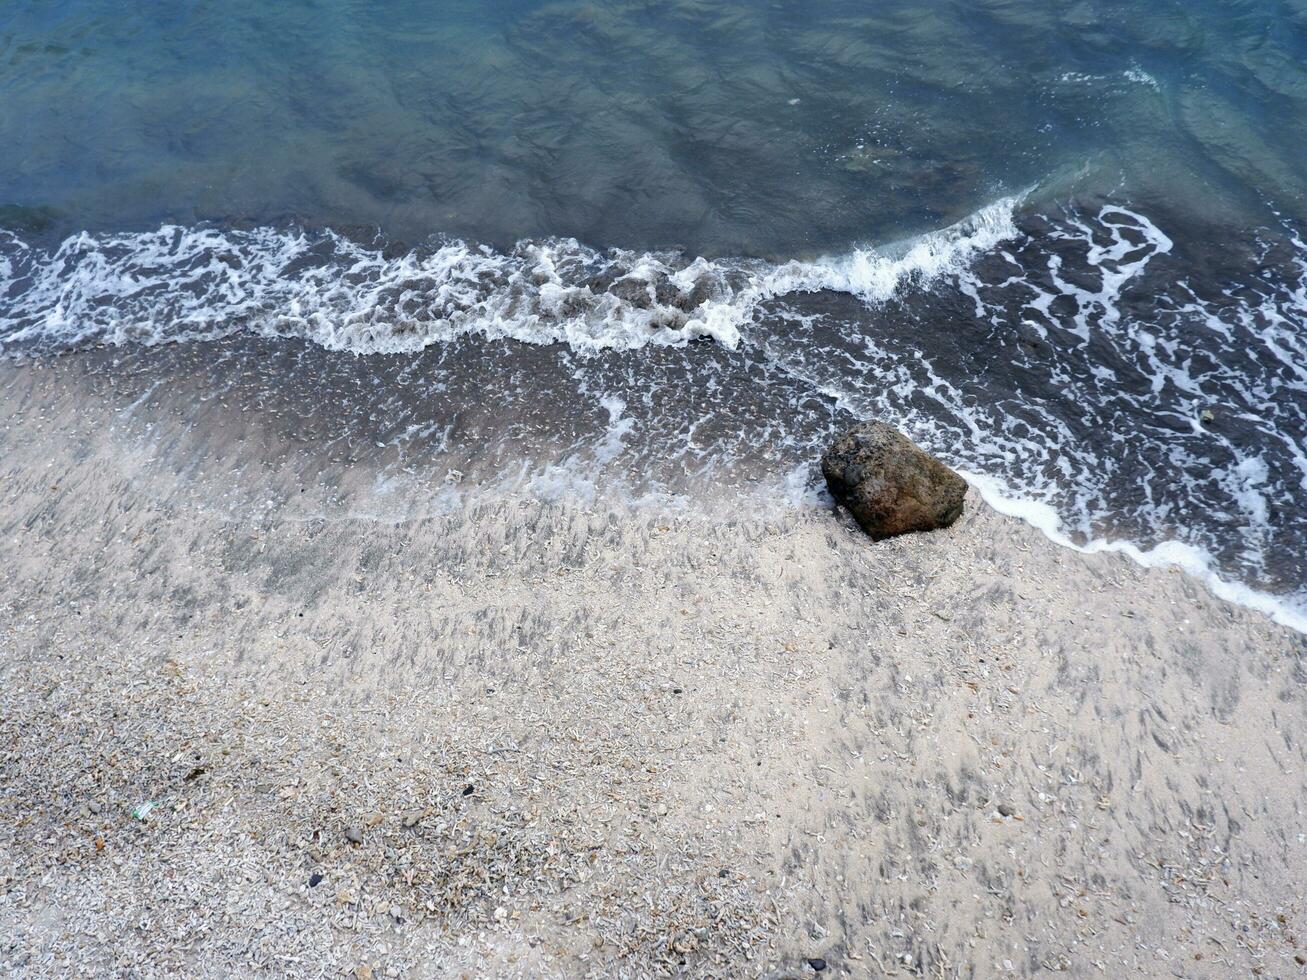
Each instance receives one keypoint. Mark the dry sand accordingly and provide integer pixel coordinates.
(589, 740)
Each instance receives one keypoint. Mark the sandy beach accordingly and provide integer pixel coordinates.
(605, 490)
(525, 738)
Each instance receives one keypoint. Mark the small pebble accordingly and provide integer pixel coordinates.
(469, 790)
(1006, 810)
(817, 963)
(315, 879)
(412, 817)
(354, 835)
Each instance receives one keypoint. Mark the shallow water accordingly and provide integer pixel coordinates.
(644, 246)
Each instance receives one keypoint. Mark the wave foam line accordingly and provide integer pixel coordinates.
(1193, 561)
(177, 284)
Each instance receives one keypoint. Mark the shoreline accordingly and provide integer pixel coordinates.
(1192, 561)
(268, 444)
(716, 748)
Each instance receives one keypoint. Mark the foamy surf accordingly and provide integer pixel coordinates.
(177, 284)
(1168, 554)
(1072, 360)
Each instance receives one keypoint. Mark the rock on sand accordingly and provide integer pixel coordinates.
(890, 484)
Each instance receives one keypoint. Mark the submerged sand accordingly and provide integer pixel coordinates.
(526, 738)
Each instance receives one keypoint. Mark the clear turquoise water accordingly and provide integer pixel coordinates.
(1062, 243)
(769, 129)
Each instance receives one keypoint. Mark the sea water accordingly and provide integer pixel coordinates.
(581, 247)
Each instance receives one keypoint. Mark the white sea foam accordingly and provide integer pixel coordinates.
(578, 474)
(1104, 421)
(1168, 554)
(178, 283)
(1135, 74)
(874, 275)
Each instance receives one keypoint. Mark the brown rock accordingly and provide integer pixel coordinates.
(889, 484)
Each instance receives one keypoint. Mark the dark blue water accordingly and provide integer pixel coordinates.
(1061, 243)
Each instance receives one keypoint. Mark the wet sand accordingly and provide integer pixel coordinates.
(525, 738)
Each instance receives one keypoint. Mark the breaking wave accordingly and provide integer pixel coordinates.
(1119, 386)
(178, 283)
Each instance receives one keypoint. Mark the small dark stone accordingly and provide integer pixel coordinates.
(315, 880)
(817, 963)
(889, 484)
(469, 789)
(677, 690)
(1006, 810)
